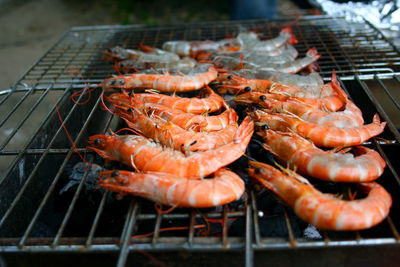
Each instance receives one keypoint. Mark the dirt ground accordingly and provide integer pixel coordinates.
(29, 27)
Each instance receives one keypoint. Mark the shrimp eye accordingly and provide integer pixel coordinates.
(130, 93)
(247, 89)
(230, 77)
(121, 90)
(114, 173)
(130, 109)
(253, 108)
(257, 170)
(97, 141)
(263, 97)
(265, 127)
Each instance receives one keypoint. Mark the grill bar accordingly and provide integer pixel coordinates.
(89, 241)
(127, 233)
(366, 63)
(71, 206)
(380, 109)
(51, 188)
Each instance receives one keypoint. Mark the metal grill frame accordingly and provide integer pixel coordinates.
(81, 48)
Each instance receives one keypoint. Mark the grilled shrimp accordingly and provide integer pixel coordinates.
(324, 210)
(171, 135)
(211, 101)
(302, 155)
(190, 121)
(145, 155)
(196, 79)
(249, 40)
(321, 135)
(224, 187)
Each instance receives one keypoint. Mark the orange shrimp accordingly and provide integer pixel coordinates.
(211, 101)
(324, 210)
(321, 135)
(224, 187)
(301, 154)
(165, 83)
(144, 155)
(190, 121)
(171, 135)
(267, 100)
(350, 117)
(238, 84)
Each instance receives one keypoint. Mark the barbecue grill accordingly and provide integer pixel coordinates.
(50, 204)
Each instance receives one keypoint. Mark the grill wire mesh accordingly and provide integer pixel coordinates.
(41, 210)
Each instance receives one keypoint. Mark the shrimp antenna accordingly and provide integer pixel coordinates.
(158, 208)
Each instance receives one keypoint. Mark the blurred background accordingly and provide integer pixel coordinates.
(29, 27)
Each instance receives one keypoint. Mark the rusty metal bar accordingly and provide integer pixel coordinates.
(55, 180)
(249, 253)
(127, 232)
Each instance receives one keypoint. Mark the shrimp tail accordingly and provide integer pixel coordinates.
(146, 48)
(244, 130)
(292, 40)
(338, 89)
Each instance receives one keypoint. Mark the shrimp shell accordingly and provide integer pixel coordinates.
(171, 135)
(144, 155)
(166, 83)
(304, 157)
(224, 187)
(323, 210)
(321, 135)
(210, 103)
(190, 121)
(250, 40)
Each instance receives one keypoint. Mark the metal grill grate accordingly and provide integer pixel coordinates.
(37, 157)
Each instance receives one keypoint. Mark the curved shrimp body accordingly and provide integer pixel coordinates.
(193, 48)
(297, 65)
(211, 101)
(301, 155)
(321, 135)
(250, 40)
(224, 187)
(313, 111)
(144, 155)
(323, 210)
(171, 135)
(166, 83)
(190, 121)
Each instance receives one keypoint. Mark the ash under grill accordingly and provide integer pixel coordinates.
(49, 203)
